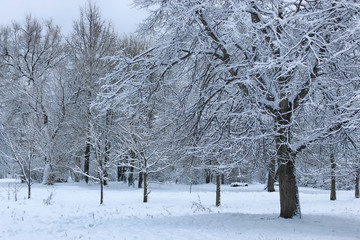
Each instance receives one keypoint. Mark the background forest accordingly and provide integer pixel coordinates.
(206, 91)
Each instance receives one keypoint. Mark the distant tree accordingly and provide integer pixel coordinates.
(92, 39)
(31, 53)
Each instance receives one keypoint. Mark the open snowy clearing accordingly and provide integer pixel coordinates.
(172, 212)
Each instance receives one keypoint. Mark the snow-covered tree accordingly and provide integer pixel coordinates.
(92, 39)
(31, 52)
(244, 59)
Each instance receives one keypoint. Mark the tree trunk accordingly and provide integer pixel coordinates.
(48, 177)
(29, 189)
(333, 180)
(145, 188)
(357, 173)
(289, 198)
(106, 160)
(218, 183)
(107, 143)
(145, 182)
(208, 176)
(77, 176)
(288, 190)
(272, 167)
(140, 180)
(271, 176)
(46, 174)
(131, 177)
(119, 174)
(87, 159)
(29, 180)
(222, 178)
(101, 190)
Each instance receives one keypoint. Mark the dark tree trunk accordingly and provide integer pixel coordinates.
(333, 180)
(121, 174)
(217, 203)
(140, 180)
(106, 160)
(87, 160)
(101, 190)
(145, 188)
(119, 169)
(131, 177)
(145, 182)
(208, 176)
(271, 176)
(357, 173)
(289, 197)
(107, 143)
(29, 189)
(29, 180)
(223, 179)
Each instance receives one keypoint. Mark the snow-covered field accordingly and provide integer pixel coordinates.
(73, 212)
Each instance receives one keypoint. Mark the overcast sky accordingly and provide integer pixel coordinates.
(63, 12)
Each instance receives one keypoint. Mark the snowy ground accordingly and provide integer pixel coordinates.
(171, 213)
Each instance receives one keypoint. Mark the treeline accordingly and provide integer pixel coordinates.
(207, 91)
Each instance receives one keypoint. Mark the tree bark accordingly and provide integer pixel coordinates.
(288, 190)
(218, 184)
(29, 189)
(208, 176)
(145, 181)
(101, 190)
(357, 173)
(145, 188)
(107, 143)
(119, 169)
(333, 180)
(29, 180)
(271, 176)
(140, 180)
(87, 159)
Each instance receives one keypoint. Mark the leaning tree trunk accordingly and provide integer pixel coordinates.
(288, 190)
(333, 180)
(218, 183)
(357, 173)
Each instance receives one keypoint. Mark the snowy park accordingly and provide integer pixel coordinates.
(72, 211)
(210, 119)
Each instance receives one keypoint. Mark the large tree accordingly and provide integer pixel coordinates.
(247, 59)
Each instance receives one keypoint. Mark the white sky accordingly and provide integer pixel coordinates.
(121, 13)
